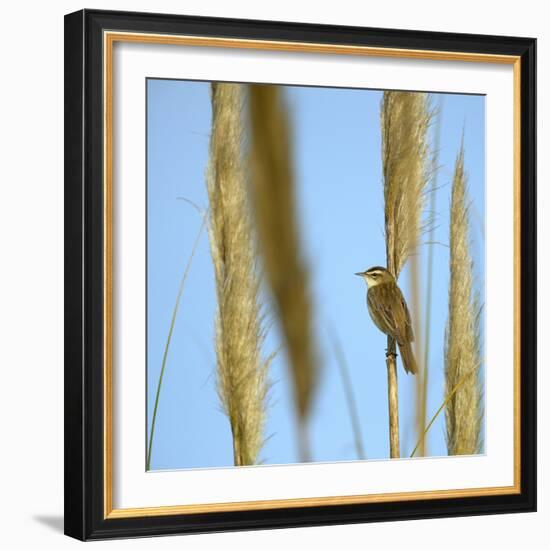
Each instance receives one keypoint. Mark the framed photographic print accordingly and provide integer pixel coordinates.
(300, 274)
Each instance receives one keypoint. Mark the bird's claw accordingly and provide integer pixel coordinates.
(388, 353)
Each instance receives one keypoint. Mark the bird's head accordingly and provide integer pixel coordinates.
(376, 275)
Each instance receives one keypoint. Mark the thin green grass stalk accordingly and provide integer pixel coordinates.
(348, 391)
(405, 119)
(276, 216)
(241, 371)
(449, 396)
(462, 352)
(169, 339)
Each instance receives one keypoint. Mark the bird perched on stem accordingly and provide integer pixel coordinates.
(389, 311)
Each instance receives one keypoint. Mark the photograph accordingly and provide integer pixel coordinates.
(315, 274)
(299, 274)
(271, 275)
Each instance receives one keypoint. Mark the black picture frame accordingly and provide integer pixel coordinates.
(84, 282)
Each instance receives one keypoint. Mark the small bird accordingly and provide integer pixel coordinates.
(389, 311)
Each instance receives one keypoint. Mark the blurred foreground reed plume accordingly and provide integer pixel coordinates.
(462, 354)
(274, 204)
(241, 371)
(405, 118)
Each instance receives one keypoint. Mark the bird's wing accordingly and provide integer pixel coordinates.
(406, 332)
(390, 313)
(381, 309)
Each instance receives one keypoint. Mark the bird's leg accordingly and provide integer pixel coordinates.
(391, 350)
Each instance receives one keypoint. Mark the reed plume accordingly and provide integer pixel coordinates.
(405, 119)
(274, 205)
(462, 351)
(241, 371)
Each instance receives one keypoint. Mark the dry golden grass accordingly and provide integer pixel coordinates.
(462, 353)
(274, 204)
(241, 371)
(405, 118)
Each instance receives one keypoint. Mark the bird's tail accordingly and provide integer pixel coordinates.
(407, 356)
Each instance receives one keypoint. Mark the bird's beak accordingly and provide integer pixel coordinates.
(360, 274)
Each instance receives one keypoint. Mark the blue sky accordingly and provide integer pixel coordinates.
(337, 157)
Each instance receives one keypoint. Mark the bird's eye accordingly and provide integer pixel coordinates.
(374, 275)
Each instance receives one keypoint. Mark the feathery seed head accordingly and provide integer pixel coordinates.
(241, 370)
(276, 216)
(405, 119)
(462, 353)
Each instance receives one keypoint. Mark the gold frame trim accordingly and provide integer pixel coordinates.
(109, 38)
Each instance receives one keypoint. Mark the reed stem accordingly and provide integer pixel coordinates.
(405, 118)
(428, 310)
(416, 299)
(393, 401)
